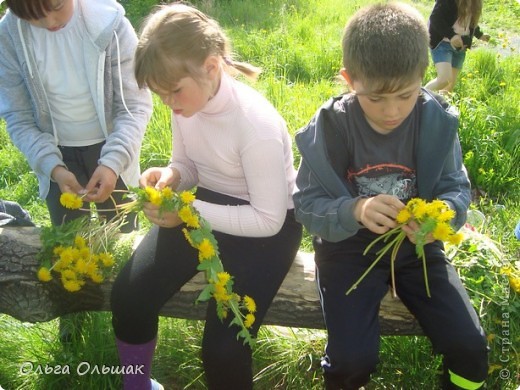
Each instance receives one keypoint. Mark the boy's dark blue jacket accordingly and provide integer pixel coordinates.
(324, 200)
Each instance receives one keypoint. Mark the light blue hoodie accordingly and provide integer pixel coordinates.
(109, 52)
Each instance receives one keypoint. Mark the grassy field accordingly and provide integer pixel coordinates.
(297, 43)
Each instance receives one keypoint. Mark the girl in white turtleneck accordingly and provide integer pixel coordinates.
(230, 143)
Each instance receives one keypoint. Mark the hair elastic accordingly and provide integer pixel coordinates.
(228, 61)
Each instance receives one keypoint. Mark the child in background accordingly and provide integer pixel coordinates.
(364, 155)
(452, 26)
(70, 99)
(230, 143)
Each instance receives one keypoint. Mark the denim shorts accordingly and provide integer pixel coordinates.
(444, 52)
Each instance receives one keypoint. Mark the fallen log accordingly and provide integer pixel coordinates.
(25, 298)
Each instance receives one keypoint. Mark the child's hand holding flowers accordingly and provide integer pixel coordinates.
(421, 222)
(168, 209)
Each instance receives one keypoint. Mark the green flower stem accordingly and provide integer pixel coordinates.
(398, 241)
(380, 254)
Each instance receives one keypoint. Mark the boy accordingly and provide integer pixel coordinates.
(364, 155)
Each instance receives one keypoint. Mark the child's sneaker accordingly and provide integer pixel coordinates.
(156, 385)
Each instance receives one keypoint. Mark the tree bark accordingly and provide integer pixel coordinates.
(25, 298)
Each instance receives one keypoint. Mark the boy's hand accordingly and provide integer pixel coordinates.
(66, 180)
(101, 184)
(411, 229)
(378, 213)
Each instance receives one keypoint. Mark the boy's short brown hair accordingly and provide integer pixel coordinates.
(30, 9)
(385, 46)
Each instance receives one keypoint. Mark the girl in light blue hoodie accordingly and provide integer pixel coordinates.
(70, 100)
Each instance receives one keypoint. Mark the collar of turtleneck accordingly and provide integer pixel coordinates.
(222, 101)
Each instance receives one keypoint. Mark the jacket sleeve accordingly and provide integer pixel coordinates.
(454, 186)
(443, 15)
(20, 111)
(322, 214)
(132, 106)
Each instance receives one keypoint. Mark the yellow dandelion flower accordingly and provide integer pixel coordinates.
(442, 231)
(153, 196)
(250, 304)
(67, 255)
(446, 215)
(96, 277)
(92, 268)
(59, 266)
(71, 285)
(420, 210)
(68, 274)
(185, 213)
(84, 253)
(71, 201)
(507, 270)
(193, 222)
(206, 249)
(81, 266)
(515, 283)
(167, 193)
(58, 249)
(187, 197)
(221, 294)
(403, 216)
(187, 236)
(223, 278)
(456, 238)
(249, 320)
(79, 242)
(44, 274)
(107, 259)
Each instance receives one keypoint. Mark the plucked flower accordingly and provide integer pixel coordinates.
(167, 193)
(77, 251)
(250, 304)
(71, 201)
(206, 249)
(154, 196)
(44, 274)
(187, 197)
(249, 320)
(433, 219)
(71, 285)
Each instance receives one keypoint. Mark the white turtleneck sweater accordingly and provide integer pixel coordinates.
(238, 145)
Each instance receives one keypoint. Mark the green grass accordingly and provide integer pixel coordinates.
(297, 43)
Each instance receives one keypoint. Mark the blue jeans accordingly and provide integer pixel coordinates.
(444, 52)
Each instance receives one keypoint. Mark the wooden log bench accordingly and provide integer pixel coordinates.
(27, 299)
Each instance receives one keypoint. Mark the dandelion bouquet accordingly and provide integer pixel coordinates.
(433, 219)
(78, 251)
(199, 235)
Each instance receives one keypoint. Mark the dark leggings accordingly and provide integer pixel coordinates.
(164, 262)
(83, 161)
(352, 321)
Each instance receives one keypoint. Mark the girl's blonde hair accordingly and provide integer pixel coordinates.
(469, 9)
(175, 41)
